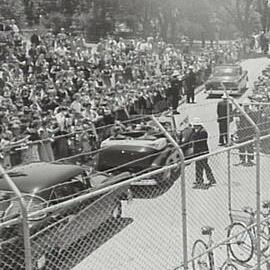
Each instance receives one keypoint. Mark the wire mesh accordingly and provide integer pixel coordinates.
(12, 254)
(139, 226)
(113, 230)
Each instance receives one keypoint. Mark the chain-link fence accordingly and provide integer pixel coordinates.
(132, 216)
(80, 213)
(228, 220)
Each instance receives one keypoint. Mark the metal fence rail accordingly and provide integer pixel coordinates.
(127, 226)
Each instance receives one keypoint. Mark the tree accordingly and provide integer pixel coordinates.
(242, 13)
(12, 9)
(263, 8)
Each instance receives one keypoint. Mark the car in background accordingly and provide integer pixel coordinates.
(230, 76)
(46, 184)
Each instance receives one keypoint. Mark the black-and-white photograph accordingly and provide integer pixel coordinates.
(134, 134)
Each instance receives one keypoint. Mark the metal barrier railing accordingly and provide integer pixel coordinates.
(186, 168)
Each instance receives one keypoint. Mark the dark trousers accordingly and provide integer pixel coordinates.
(175, 102)
(200, 166)
(223, 132)
(190, 95)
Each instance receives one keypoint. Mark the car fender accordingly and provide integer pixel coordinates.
(94, 214)
(161, 158)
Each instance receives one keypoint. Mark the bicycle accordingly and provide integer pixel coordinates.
(246, 238)
(206, 260)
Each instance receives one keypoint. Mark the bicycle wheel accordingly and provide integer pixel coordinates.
(242, 246)
(203, 262)
(265, 232)
(230, 266)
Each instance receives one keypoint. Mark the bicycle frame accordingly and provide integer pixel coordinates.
(211, 255)
(262, 232)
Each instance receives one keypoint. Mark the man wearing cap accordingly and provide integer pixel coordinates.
(200, 147)
(223, 114)
(174, 91)
(190, 85)
(246, 132)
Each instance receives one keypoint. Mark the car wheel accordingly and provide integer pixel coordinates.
(117, 211)
(171, 174)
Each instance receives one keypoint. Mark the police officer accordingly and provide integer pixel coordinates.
(222, 117)
(246, 132)
(190, 81)
(200, 147)
(174, 91)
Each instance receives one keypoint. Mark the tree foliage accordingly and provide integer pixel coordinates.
(169, 19)
(12, 9)
(242, 14)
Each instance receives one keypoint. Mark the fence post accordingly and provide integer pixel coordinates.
(229, 155)
(26, 233)
(258, 181)
(183, 191)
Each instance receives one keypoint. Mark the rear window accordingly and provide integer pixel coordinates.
(226, 71)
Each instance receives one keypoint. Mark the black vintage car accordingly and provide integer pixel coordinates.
(230, 76)
(138, 153)
(47, 184)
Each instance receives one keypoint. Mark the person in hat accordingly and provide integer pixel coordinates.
(190, 82)
(223, 112)
(199, 139)
(174, 91)
(246, 132)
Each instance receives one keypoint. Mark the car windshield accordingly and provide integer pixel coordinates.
(225, 71)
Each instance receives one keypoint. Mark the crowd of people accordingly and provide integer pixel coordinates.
(57, 91)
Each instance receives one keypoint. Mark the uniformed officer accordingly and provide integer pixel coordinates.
(222, 117)
(200, 147)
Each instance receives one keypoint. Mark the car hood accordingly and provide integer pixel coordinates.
(37, 176)
(126, 157)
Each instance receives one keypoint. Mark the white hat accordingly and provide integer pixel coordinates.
(246, 102)
(175, 73)
(190, 67)
(197, 122)
(224, 96)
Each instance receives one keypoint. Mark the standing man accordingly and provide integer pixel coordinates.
(200, 147)
(174, 91)
(222, 115)
(246, 132)
(190, 85)
(35, 39)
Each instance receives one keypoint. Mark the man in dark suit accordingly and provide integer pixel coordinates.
(35, 39)
(190, 85)
(174, 91)
(200, 147)
(246, 132)
(223, 113)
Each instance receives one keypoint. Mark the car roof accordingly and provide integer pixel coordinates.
(228, 65)
(157, 143)
(40, 175)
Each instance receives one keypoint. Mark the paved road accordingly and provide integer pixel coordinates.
(151, 238)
